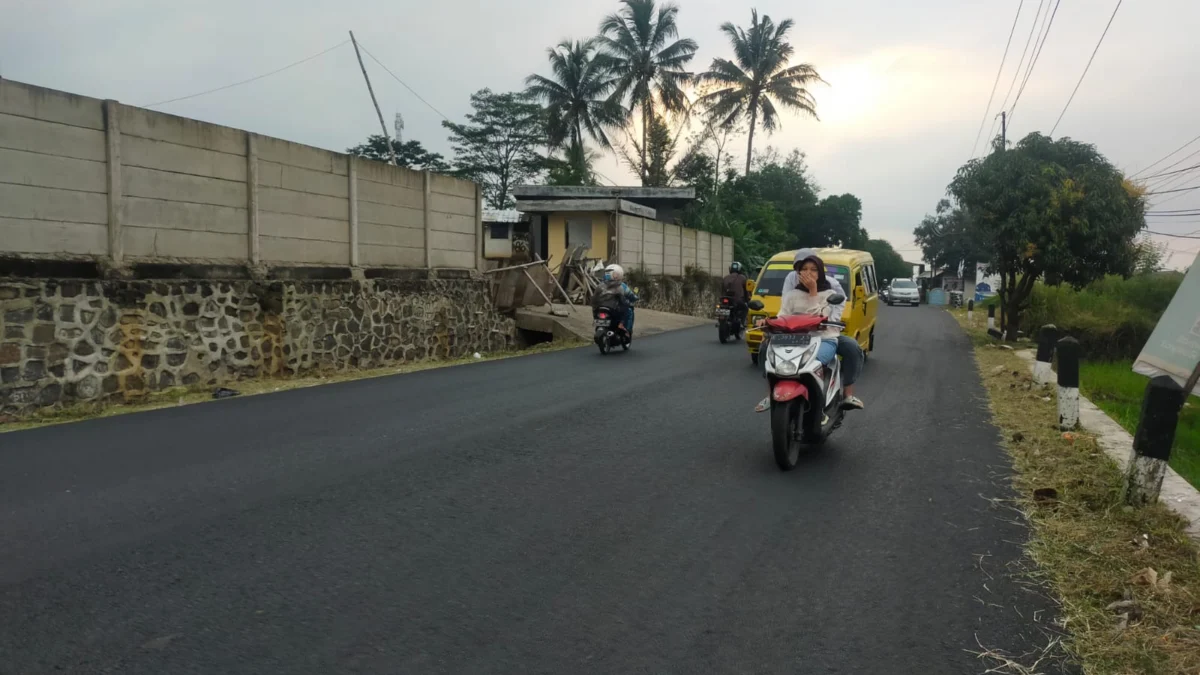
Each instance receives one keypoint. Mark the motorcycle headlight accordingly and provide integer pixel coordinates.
(784, 367)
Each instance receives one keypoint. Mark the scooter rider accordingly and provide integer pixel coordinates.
(614, 285)
(847, 347)
(733, 286)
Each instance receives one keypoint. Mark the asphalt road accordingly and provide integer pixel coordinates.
(557, 513)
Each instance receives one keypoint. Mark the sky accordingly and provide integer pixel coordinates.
(908, 82)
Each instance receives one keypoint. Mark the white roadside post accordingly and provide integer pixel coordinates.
(1068, 384)
(1043, 374)
(991, 317)
(1152, 443)
(971, 312)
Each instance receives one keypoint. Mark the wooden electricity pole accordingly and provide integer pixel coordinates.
(391, 149)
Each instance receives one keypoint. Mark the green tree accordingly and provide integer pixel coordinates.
(409, 154)
(837, 221)
(758, 79)
(889, 264)
(1148, 256)
(574, 169)
(948, 237)
(576, 95)
(1049, 209)
(497, 147)
(646, 63)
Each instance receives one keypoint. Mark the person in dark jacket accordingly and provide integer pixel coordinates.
(733, 286)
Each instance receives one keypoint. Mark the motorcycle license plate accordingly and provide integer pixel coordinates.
(722, 312)
(600, 323)
(791, 340)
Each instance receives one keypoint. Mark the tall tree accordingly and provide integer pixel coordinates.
(574, 169)
(758, 79)
(646, 63)
(889, 264)
(498, 146)
(837, 221)
(576, 95)
(948, 237)
(409, 154)
(1049, 209)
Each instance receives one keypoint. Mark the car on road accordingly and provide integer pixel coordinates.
(854, 270)
(903, 292)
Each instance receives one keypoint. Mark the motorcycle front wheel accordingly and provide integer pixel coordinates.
(785, 428)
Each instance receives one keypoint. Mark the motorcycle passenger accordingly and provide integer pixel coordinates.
(733, 286)
(811, 296)
(616, 289)
(847, 347)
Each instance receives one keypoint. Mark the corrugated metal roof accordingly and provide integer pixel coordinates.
(503, 216)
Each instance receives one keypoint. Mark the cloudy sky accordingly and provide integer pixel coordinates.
(908, 80)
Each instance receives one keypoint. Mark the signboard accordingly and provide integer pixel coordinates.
(986, 285)
(1174, 346)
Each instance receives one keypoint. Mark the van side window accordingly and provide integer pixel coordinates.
(858, 278)
(872, 282)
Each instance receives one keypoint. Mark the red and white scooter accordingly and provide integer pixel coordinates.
(805, 399)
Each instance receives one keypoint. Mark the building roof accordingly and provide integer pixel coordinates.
(647, 196)
(565, 204)
(503, 216)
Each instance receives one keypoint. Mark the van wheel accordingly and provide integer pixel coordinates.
(754, 358)
(871, 342)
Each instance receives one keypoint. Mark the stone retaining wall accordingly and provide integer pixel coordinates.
(66, 341)
(693, 295)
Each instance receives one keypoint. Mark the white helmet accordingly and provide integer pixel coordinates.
(614, 272)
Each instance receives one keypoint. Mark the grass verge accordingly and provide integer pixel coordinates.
(1128, 580)
(177, 396)
(1117, 390)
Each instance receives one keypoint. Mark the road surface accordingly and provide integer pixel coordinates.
(557, 513)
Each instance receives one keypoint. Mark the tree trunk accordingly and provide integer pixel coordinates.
(645, 135)
(750, 140)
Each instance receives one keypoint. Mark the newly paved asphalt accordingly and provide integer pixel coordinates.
(558, 513)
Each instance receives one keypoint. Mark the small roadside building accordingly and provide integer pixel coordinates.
(637, 226)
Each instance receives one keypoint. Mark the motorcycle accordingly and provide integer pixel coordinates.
(610, 331)
(805, 398)
(730, 321)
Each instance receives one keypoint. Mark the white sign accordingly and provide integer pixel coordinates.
(1174, 346)
(986, 285)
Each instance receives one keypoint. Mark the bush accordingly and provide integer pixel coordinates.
(1112, 318)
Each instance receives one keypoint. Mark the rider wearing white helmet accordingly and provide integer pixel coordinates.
(614, 284)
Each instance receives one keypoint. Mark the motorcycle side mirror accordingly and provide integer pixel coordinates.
(836, 299)
(756, 305)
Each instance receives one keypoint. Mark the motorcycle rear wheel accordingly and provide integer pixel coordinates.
(723, 332)
(785, 422)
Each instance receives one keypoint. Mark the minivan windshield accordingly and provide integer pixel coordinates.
(771, 281)
(903, 283)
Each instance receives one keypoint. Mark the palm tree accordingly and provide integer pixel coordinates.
(758, 79)
(576, 95)
(646, 62)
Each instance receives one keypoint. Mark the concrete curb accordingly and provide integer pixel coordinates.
(1177, 493)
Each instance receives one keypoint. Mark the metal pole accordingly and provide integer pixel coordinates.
(391, 149)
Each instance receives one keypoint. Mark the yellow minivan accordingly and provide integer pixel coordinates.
(854, 270)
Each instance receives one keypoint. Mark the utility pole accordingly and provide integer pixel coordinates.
(371, 91)
(1003, 130)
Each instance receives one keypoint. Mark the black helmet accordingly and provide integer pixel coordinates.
(735, 267)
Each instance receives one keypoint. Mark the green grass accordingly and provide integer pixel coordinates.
(1117, 390)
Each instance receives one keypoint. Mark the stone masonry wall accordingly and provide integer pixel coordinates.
(695, 295)
(66, 341)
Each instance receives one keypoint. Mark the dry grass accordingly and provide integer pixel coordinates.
(1128, 581)
(177, 396)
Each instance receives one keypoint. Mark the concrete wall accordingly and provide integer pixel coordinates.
(661, 248)
(82, 178)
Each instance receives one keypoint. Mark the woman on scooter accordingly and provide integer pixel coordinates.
(812, 297)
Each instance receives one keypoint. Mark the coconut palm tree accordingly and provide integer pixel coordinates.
(646, 63)
(576, 95)
(758, 79)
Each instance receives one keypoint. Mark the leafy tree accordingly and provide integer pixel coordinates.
(1148, 256)
(497, 147)
(889, 264)
(409, 154)
(837, 222)
(646, 63)
(1052, 209)
(949, 237)
(576, 95)
(574, 169)
(758, 79)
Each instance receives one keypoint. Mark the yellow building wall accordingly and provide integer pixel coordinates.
(556, 234)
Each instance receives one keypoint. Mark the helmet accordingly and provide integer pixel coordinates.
(614, 272)
(735, 267)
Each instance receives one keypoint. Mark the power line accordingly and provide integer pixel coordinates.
(1185, 169)
(1037, 52)
(1168, 156)
(1085, 69)
(402, 82)
(997, 80)
(1176, 236)
(1021, 62)
(1164, 192)
(258, 77)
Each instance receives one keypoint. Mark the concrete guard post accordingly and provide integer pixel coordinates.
(1068, 383)
(991, 317)
(1152, 443)
(1042, 372)
(971, 311)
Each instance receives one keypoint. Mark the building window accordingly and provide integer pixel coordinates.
(498, 230)
(579, 233)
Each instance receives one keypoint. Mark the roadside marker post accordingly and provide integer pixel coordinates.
(1152, 443)
(1068, 383)
(1045, 354)
(971, 311)
(991, 317)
